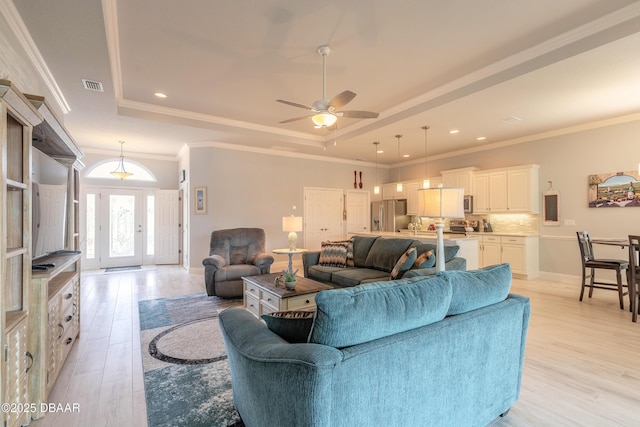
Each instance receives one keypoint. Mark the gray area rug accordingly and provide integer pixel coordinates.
(187, 380)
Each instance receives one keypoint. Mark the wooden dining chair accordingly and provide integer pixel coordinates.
(591, 263)
(634, 276)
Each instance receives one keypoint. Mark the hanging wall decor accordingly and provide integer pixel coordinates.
(610, 190)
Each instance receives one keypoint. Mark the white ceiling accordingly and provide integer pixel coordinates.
(460, 64)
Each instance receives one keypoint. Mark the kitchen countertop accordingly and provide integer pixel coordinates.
(467, 234)
(421, 234)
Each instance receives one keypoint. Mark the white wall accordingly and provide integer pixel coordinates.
(247, 189)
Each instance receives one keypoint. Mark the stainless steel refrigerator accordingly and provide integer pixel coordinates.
(389, 215)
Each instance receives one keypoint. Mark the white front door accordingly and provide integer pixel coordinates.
(121, 229)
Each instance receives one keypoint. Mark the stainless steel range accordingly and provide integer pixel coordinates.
(457, 226)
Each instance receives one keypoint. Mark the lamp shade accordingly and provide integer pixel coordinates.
(441, 202)
(291, 223)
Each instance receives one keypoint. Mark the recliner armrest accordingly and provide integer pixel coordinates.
(215, 261)
(263, 261)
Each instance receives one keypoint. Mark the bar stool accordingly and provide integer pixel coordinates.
(634, 276)
(592, 263)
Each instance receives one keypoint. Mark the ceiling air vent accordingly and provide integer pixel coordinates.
(92, 85)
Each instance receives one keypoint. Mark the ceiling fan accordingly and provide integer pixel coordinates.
(325, 111)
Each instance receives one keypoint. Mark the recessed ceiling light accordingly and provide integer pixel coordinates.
(454, 131)
(160, 94)
(481, 138)
(512, 119)
(406, 155)
(380, 151)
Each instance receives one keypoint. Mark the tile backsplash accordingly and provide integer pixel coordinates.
(510, 223)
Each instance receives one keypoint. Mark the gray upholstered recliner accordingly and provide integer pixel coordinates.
(234, 253)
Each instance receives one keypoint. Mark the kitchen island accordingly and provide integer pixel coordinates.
(469, 245)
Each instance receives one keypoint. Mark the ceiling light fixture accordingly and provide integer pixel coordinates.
(323, 120)
(160, 95)
(376, 188)
(481, 138)
(120, 171)
(425, 182)
(454, 131)
(399, 184)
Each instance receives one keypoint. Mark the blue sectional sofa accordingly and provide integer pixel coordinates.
(374, 259)
(445, 350)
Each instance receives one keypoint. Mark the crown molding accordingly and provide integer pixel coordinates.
(16, 24)
(129, 154)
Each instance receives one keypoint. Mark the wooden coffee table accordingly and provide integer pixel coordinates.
(261, 296)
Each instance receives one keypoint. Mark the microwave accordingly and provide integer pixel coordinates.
(468, 204)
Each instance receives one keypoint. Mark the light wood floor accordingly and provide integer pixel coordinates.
(582, 364)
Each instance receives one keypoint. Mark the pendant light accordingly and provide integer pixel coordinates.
(425, 182)
(399, 184)
(376, 188)
(120, 171)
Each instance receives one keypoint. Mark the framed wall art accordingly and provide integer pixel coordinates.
(612, 190)
(201, 200)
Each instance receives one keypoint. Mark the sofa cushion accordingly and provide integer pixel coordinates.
(361, 247)
(346, 317)
(403, 264)
(322, 273)
(334, 254)
(293, 326)
(449, 251)
(425, 260)
(354, 276)
(477, 288)
(384, 253)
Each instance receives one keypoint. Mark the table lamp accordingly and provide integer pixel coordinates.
(292, 224)
(441, 203)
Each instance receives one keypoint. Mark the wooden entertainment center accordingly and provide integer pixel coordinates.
(41, 308)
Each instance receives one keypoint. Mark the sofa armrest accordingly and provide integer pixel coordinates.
(249, 337)
(456, 263)
(308, 259)
(215, 261)
(263, 261)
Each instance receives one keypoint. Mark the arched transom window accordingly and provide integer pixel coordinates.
(103, 170)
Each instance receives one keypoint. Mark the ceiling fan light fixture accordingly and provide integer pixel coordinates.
(324, 119)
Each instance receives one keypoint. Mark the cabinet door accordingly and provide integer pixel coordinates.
(498, 191)
(412, 197)
(481, 193)
(450, 180)
(519, 190)
(490, 253)
(515, 256)
(16, 392)
(389, 191)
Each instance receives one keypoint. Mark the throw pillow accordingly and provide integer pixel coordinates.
(405, 263)
(334, 254)
(293, 326)
(425, 260)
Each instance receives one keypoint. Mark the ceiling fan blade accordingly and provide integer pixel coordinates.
(296, 119)
(358, 114)
(341, 99)
(294, 104)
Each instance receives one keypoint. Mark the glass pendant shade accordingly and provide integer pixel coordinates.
(324, 119)
(426, 183)
(376, 189)
(120, 172)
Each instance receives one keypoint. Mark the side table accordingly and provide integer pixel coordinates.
(289, 252)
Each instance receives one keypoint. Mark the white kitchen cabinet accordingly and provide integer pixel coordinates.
(520, 252)
(490, 250)
(390, 191)
(508, 190)
(459, 178)
(411, 190)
